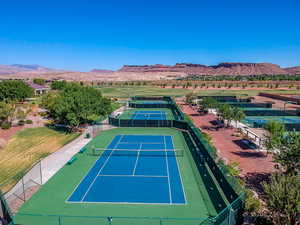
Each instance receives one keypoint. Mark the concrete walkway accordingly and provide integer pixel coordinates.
(54, 162)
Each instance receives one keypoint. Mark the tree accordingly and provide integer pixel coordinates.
(285, 146)
(275, 132)
(58, 85)
(288, 155)
(14, 90)
(283, 198)
(238, 115)
(6, 111)
(39, 81)
(225, 112)
(76, 104)
(190, 97)
(208, 103)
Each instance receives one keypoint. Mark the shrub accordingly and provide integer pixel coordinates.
(5, 125)
(252, 203)
(39, 81)
(21, 122)
(29, 122)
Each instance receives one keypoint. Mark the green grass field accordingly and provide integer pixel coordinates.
(25, 148)
(51, 198)
(128, 91)
(128, 114)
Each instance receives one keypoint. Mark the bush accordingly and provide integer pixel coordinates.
(5, 125)
(29, 122)
(252, 203)
(21, 122)
(39, 81)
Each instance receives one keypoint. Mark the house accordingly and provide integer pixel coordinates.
(38, 89)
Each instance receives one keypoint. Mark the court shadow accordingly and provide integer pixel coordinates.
(215, 122)
(248, 154)
(243, 145)
(194, 114)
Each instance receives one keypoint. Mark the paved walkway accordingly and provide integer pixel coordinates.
(229, 147)
(55, 161)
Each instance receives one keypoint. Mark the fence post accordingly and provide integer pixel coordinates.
(23, 188)
(41, 175)
(59, 220)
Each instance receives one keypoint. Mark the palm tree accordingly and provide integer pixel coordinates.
(238, 115)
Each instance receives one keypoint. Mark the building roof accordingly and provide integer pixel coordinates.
(36, 86)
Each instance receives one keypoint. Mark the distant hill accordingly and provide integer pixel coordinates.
(220, 69)
(101, 71)
(145, 72)
(17, 68)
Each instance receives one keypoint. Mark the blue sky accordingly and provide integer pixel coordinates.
(85, 34)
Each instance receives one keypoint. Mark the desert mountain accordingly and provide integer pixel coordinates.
(17, 68)
(220, 69)
(145, 72)
(101, 71)
(293, 70)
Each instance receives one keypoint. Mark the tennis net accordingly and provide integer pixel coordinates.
(137, 152)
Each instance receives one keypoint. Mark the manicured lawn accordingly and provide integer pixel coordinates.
(128, 91)
(25, 148)
(125, 92)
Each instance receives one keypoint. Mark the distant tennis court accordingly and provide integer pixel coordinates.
(148, 102)
(149, 115)
(264, 119)
(140, 169)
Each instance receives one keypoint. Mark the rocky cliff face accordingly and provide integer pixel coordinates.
(220, 69)
(293, 70)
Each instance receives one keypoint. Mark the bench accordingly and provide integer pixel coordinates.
(73, 159)
(82, 150)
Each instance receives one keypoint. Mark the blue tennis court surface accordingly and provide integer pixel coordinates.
(149, 115)
(264, 120)
(133, 169)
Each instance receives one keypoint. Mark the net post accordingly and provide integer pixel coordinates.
(93, 150)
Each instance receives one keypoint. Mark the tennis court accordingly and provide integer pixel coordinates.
(139, 169)
(191, 202)
(264, 119)
(148, 102)
(147, 114)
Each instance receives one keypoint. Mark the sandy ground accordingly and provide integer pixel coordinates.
(255, 166)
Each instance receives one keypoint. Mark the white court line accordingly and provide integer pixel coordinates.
(137, 159)
(127, 142)
(179, 168)
(75, 189)
(90, 186)
(127, 203)
(167, 164)
(116, 175)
